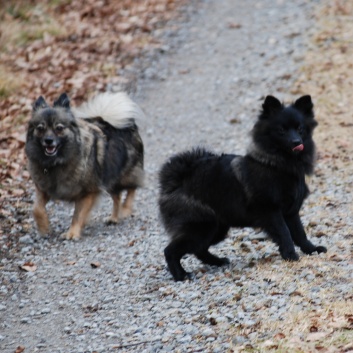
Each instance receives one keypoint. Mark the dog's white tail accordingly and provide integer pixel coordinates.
(115, 108)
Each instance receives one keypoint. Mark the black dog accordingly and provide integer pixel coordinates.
(202, 194)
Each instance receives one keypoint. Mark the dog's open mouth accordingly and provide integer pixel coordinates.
(298, 148)
(51, 150)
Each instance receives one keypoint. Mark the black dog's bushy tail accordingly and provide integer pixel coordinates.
(178, 168)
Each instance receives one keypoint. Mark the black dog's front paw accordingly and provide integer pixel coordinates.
(311, 248)
(320, 249)
(289, 255)
(224, 261)
(213, 260)
(178, 273)
(182, 276)
(217, 261)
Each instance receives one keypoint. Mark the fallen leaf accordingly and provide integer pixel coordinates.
(17, 192)
(234, 25)
(270, 344)
(316, 336)
(132, 243)
(348, 347)
(296, 293)
(234, 121)
(313, 329)
(349, 318)
(19, 349)
(95, 264)
(279, 336)
(28, 267)
(71, 263)
(213, 321)
(339, 323)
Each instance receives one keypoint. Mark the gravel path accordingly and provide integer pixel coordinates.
(111, 292)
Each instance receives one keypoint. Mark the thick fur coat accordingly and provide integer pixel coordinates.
(74, 154)
(203, 194)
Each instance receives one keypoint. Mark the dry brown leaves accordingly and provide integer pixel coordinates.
(74, 46)
(28, 267)
(19, 349)
(328, 76)
(326, 329)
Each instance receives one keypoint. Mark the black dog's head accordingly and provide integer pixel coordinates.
(283, 134)
(51, 135)
(285, 130)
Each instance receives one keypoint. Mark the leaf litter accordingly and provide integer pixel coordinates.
(50, 47)
(326, 74)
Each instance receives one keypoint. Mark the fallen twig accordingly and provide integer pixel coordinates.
(126, 345)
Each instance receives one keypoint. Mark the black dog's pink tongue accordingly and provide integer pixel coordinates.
(298, 148)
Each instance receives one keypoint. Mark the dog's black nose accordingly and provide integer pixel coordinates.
(296, 142)
(48, 141)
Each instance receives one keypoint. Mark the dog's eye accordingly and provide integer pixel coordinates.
(59, 128)
(281, 130)
(40, 128)
(300, 129)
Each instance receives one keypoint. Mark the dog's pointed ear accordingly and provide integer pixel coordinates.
(40, 103)
(271, 104)
(305, 105)
(63, 101)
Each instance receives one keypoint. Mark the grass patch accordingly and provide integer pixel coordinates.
(28, 35)
(19, 10)
(22, 22)
(9, 82)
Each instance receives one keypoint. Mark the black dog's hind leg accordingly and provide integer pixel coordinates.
(299, 236)
(210, 259)
(192, 238)
(206, 257)
(277, 229)
(173, 254)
